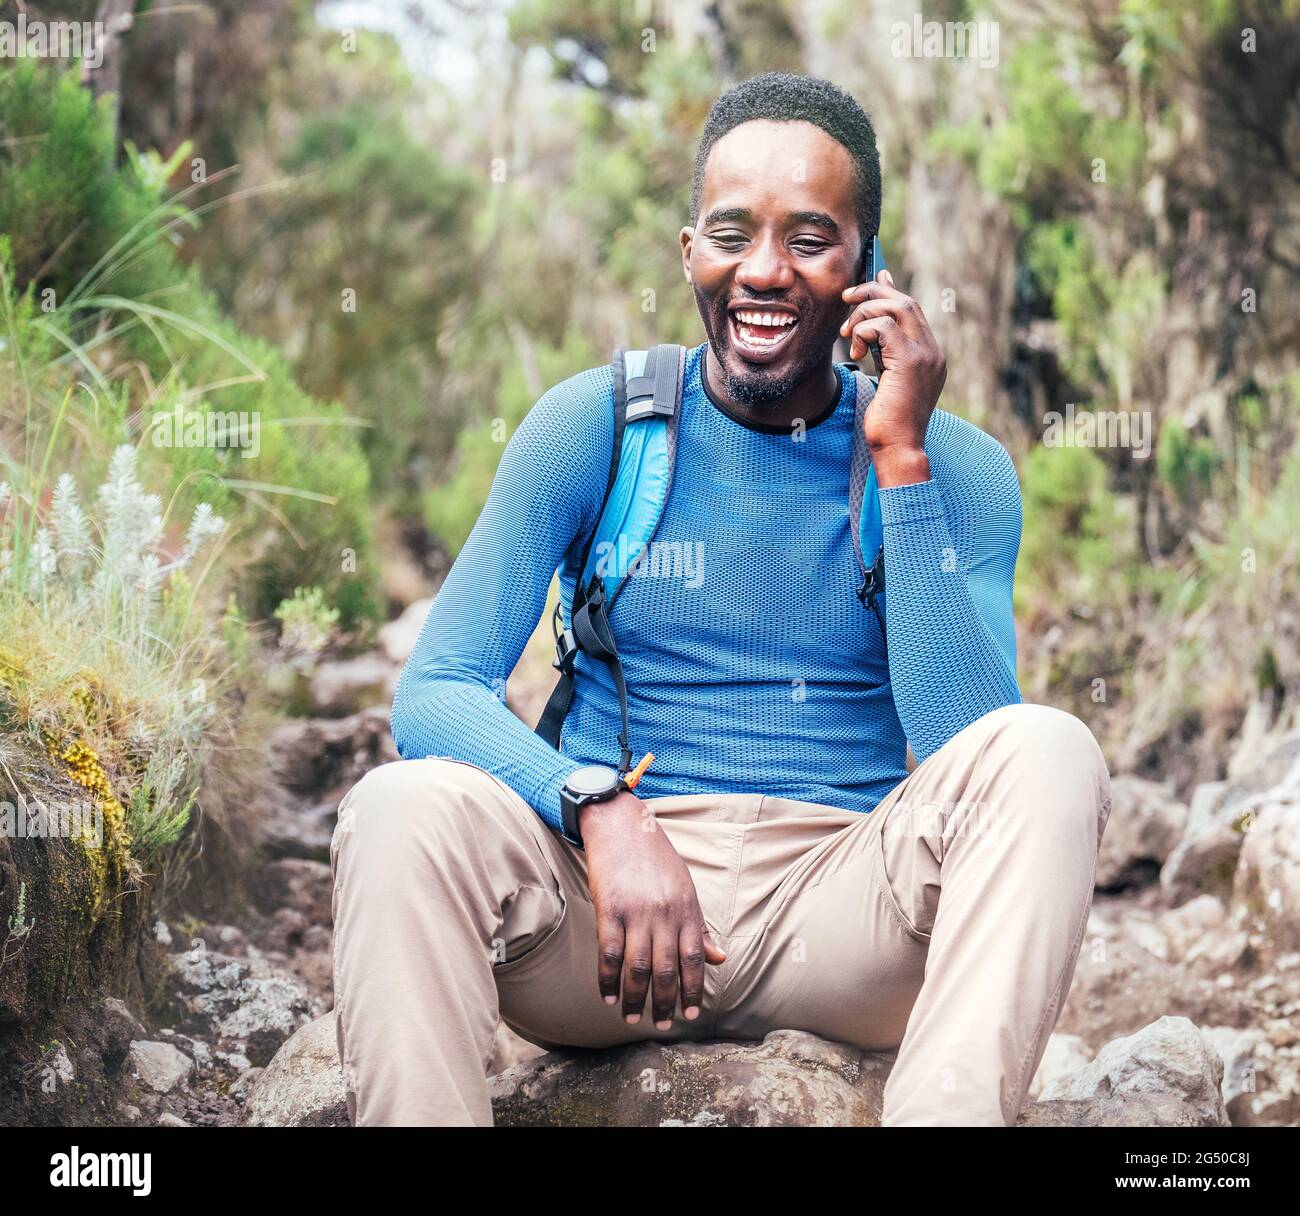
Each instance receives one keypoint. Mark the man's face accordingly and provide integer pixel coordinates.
(776, 244)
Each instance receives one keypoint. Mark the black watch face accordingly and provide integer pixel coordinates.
(591, 779)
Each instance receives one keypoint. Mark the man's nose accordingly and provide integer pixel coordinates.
(766, 267)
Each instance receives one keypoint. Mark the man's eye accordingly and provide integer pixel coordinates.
(810, 247)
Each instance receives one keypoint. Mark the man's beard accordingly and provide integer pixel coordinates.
(759, 387)
(755, 389)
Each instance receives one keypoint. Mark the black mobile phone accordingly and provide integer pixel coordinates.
(873, 262)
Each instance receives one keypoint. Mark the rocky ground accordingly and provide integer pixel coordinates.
(1183, 1008)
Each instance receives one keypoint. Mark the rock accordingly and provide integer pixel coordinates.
(118, 1027)
(301, 886)
(245, 1004)
(1198, 932)
(1163, 1077)
(1111, 1110)
(167, 1119)
(1266, 888)
(1250, 1073)
(1120, 987)
(1064, 1054)
(397, 639)
(509, 1050)
(325, 756)
(303, 1084)
(295, 830)
(344, 686)
(244, 1084)
(1205, 859)
(789, 1079)
(160, 1066)
(60, 1066)
(1168, 1057)
(1145, 824)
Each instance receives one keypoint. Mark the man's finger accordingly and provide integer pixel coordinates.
(877, 289)
(690, 952)
(900, 309)
(638, 962)
(713, 953)
(877, 330)
(663, 990)
(609, 957)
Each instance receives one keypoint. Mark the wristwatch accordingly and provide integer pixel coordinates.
(591, 783)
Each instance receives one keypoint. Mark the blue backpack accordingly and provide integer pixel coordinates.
(647, 399)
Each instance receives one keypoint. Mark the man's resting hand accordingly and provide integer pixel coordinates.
(649, 927)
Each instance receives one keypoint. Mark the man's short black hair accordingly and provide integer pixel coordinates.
(786, 97)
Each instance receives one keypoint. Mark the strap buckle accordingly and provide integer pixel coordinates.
(566, 647)
(873, 580)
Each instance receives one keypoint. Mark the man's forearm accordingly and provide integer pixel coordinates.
(434, 716)
(948, 666)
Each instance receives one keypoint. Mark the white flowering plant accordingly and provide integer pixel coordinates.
(103, 654)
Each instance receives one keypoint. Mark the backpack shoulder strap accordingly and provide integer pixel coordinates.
(646, 403)
(864, 507)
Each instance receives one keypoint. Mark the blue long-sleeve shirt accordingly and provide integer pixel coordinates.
(753, 666)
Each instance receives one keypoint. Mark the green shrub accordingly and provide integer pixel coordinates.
(142, 334)
(452, 508)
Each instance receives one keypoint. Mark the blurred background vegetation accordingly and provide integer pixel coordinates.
(386, 229)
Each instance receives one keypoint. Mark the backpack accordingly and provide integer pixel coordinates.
(647, 399)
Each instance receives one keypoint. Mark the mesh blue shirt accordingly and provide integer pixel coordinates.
(754, 667)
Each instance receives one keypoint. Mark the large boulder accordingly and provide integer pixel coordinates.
(790, 1079)
(1163, 1077)
(1146, 822)
(1266, 888)
(1222, 813)
(1167, 1060)
(303, 1085)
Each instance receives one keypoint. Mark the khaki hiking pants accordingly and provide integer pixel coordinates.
(945, 924)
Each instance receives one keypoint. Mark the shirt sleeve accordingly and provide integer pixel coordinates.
(450, 698)
(950, 557)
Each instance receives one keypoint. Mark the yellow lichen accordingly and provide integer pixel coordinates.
(82, 765)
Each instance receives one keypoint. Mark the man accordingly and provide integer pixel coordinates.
(777, 867)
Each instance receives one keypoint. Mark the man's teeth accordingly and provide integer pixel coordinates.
(780, 321)
(766, 318)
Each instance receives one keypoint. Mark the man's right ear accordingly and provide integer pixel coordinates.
(686, 236)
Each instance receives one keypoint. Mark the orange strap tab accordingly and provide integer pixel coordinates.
(637, 773)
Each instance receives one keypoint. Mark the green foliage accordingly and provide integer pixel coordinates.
(110, 676)
(368, 240)
(306, 621)
(451, 510)
(1186, 463)
(60, 202)
(1044, 154)
(144, 334)
(1075, 536)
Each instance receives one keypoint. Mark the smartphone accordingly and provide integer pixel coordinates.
(873, 262)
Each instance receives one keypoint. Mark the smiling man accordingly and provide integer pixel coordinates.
(777, 867)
